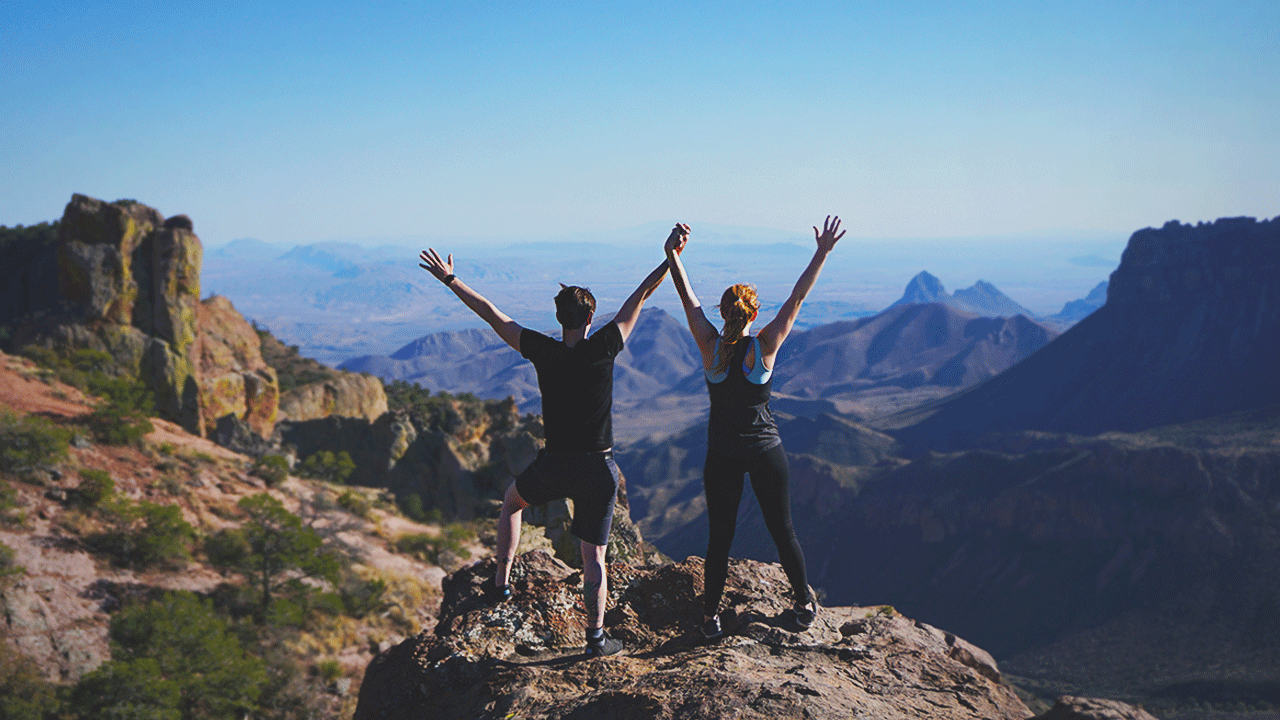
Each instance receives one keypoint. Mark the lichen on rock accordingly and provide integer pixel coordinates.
(522, 658)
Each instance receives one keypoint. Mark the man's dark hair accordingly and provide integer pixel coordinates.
(574, 306)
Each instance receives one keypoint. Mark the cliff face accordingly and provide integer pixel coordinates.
(1191, 329)
(233, 376)
(522, 658)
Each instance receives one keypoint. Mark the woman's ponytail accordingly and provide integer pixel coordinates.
(738, 306)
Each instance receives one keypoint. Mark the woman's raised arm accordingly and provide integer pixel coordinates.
(773, 334)
(704, 333)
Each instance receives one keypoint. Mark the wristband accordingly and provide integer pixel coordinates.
(448, 279)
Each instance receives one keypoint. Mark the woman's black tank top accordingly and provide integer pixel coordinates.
(740, 424)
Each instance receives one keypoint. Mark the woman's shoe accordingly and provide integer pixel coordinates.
(711, 628)
(801, 618)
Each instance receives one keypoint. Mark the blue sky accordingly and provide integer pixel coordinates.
(299, 122)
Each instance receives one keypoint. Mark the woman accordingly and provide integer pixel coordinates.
(742, 437)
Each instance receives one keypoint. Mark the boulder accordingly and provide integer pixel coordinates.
(234, 379)
(349, 395)
(1077, 708)
(523, 658)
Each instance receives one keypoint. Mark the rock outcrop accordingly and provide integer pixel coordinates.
(1190, 329)
(349, 395)
(128, 284)
(522, 658)
(234, 379)
(1076, 708)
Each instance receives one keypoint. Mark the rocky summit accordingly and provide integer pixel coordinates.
(523, 657)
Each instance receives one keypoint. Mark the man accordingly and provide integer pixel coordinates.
(575, 377)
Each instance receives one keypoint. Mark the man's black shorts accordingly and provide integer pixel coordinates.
(589, 479)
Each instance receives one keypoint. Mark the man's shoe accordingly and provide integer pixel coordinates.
(604, 646)
(498, 593)
(711, 628)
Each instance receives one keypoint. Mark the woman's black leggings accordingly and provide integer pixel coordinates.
(722, 482)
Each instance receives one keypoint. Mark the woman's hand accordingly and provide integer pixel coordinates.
(432, 263)
(678, 238)
(830, 228)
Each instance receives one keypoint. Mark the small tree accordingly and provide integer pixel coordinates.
(274, 549)
(29, 443)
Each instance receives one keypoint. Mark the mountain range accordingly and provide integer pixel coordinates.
(982, 298)
(1190, 329)
(900, 357)
(339, 300)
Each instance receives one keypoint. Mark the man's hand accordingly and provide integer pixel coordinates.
(678, 238)
(827, 240)
(432, 263)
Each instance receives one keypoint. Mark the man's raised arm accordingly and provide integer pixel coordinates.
(442, 270)
(630, 312)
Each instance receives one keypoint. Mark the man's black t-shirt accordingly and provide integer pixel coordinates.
(577, 387)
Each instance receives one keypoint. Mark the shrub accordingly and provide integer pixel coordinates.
(273, 469)
(430, 548)
(95, 486)
(329, 670)
(10, 515)
(24, 693)
(361, 598)
(172, 658)
(145, 535)
(324, 465)
(114, 423)
(7, 565)
(412, 506)
(30, 443)
(354, 504)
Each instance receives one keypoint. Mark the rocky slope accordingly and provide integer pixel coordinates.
(1191, 329)
(521, 658)
(56, 609)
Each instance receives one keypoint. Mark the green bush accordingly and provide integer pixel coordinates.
(10, 515)
(114, 423)
(172, 658)
(354, 504)
(329, 670)
(361, 598)
(8, 567)
(273, 469)
(30, 443)
(429, 548)
(145, 535)
(24, 693)
(412, 506)
(95, 487)
(324, 465)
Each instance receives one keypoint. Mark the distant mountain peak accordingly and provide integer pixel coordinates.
(923, 288)
(986, 299)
